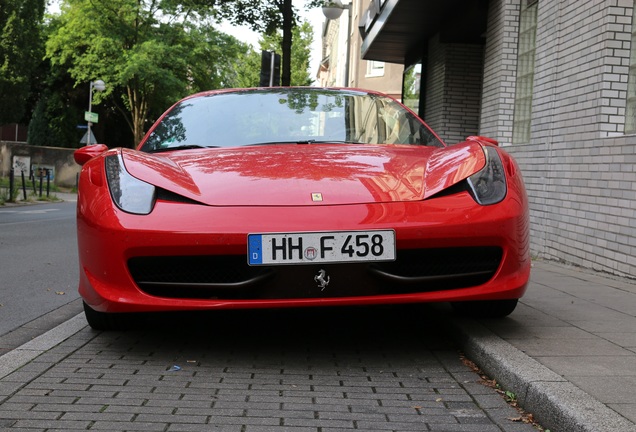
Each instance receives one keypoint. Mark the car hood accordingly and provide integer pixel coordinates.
(316, 174)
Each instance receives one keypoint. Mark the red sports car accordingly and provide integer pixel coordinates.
(288, 197)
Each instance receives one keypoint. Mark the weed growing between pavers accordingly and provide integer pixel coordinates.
(510, 397)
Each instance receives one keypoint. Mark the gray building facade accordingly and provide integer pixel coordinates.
(554, 81)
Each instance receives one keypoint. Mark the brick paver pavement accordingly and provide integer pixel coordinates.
(315, 370)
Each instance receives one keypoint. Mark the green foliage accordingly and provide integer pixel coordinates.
(31, 185)
(215, 59)
(265, 16)
(248, 68)
(149, 54)
(54, 120)
(302, 38)
(20, 54)
(39, 130)
(249, 65)
(510, 396)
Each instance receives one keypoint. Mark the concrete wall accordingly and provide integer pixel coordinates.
(61, 159)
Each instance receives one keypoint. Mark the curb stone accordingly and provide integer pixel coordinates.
(22, 355)
(554, 402)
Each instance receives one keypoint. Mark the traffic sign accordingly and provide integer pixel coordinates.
(91, 117)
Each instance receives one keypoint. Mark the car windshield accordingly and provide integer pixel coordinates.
(287, 115)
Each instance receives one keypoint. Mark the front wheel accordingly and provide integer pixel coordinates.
(105, 321)
(486, 308)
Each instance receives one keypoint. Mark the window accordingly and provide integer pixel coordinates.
(287, 115)
(630, 112)
(525, 73)
(375, 68)
(411, 84)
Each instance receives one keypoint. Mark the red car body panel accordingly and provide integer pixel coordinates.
(108, 237)
(231, 192)
(277, 176)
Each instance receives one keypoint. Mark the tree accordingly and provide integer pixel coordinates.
(302, 38)
(263, 16)
(248, 68)
(39, 128)
(248, 71)
(58, 109)
(149, 53)
(21, 50)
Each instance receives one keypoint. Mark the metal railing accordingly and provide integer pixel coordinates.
(36, 180)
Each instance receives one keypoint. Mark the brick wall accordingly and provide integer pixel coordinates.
(500, 67)
(434, 87)
(453, 89)
(579, 167)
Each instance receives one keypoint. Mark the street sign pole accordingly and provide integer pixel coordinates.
(271, 69)
(89, 116)
(90, 106)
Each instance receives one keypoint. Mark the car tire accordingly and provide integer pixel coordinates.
(486, 308)
(105, 321)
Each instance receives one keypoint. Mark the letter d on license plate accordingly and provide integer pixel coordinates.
(320, 247)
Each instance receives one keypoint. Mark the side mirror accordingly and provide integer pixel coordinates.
(484, 140)
(87, 153)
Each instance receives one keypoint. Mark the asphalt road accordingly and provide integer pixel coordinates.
(38, 261)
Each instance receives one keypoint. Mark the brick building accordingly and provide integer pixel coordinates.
(554, 81)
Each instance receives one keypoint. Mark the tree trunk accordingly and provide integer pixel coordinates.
(138, 113)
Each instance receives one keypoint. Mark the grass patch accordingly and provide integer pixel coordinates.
(32, 190)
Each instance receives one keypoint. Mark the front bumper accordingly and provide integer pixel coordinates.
(131, 263)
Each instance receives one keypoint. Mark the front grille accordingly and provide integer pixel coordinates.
(446, 268)
(230, 277)
(189, 275)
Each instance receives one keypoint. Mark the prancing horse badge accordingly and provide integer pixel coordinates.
(322, 279)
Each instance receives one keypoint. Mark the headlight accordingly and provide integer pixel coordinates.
(488, 186)
(129, 193)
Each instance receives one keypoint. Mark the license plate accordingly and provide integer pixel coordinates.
(320, 247)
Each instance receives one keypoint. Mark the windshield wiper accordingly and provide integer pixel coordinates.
(328, 142)
(180, 147)
(305, 142)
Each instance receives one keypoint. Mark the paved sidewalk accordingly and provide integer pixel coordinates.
(568, 351)
(311, 370)
(66, 196)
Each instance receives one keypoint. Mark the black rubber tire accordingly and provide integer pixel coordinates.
(486, 308)
(106, 321)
